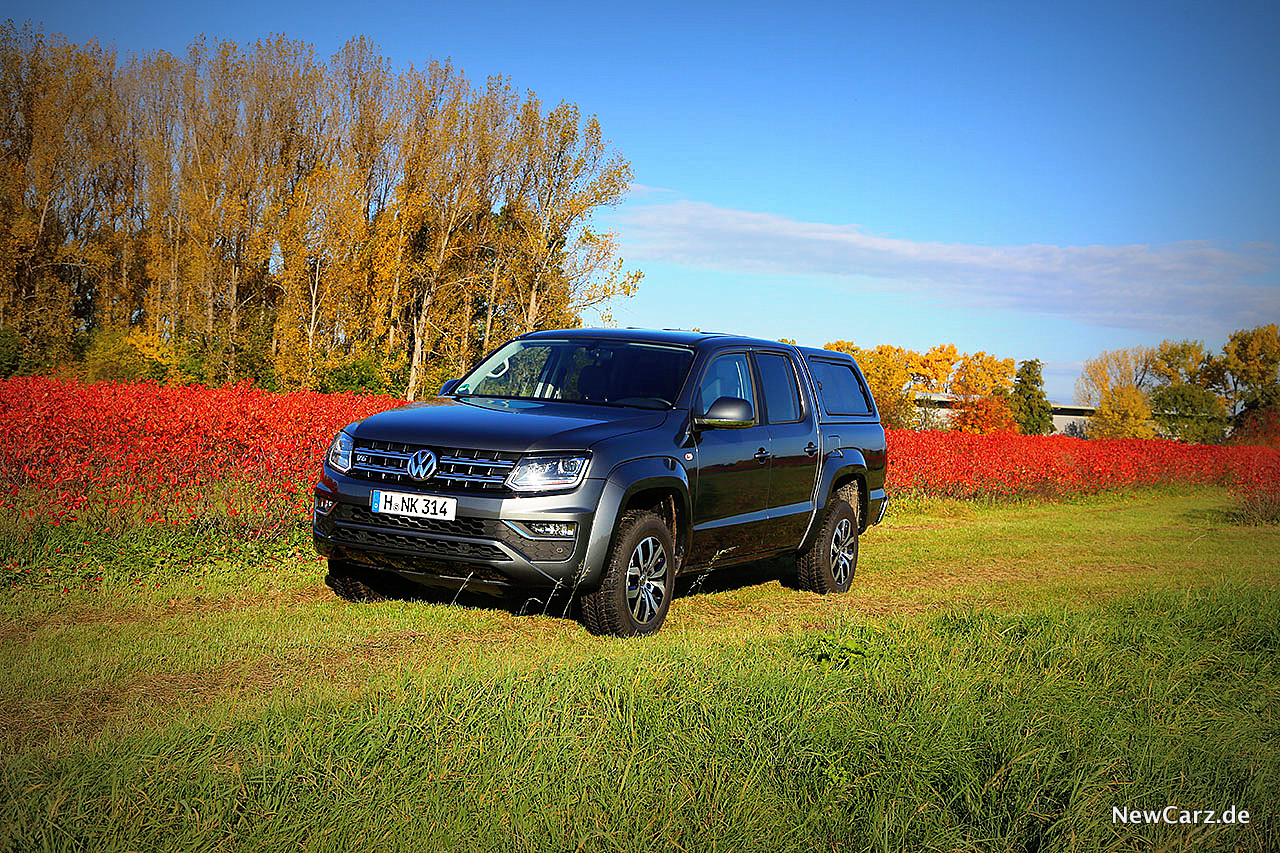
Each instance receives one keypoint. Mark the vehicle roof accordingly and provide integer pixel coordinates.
(664, 336)
(824, 353)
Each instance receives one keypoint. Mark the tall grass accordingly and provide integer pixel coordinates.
(960, 730)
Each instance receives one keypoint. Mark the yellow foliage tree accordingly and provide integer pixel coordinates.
(1112, 369)
(982, 384)
(932, 370)
(982, 375)
(1122, 412)
(270, 215)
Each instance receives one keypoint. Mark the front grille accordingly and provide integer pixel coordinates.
(427, 547)
(458, 469)
(356, 524)
(462, 526)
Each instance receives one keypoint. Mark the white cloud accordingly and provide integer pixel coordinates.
(635, 188)
(1179, 288)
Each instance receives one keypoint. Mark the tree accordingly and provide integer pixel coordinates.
(1258, 422)
(1113, 369)
(982, 384)
(987, 414)
(259, 213)
(932, 370)
(1250, 364)
(1179, 362)
(1028, 403)
(1122, 412)
(1189, 413)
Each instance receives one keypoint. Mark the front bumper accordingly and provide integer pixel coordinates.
(486, 546)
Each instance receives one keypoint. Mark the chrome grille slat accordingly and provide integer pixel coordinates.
(470, 478)
(489, 463)
(381, 469)
(462, 469)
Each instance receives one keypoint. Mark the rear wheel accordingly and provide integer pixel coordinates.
(830, 563)
(639, 579)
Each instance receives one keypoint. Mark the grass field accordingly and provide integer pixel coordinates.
(1001, 677)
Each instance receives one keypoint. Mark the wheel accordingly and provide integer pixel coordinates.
(353, 583)
(639, 579)
(829, 564)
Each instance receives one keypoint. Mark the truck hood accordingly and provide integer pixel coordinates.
(510, 425)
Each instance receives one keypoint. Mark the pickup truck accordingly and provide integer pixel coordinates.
(603, 463)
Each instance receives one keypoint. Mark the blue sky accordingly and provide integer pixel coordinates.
(1030, 179)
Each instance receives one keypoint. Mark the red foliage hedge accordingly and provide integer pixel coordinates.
(1005, 464)
(171, 454)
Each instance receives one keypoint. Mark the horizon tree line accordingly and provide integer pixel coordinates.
(254, 212)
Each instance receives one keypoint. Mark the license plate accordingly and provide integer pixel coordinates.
(418, 506)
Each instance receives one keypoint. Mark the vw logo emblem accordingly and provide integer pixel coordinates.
(422, 465)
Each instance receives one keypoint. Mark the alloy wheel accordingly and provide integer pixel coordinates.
(843, 543)
(646, 579)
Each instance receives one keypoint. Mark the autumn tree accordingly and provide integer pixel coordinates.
(932, 371)
(1122, 368)
(1249, 365)
(1116, 384)
(1123, 411)
(251, 211)
(1178, 362)
(982, 384)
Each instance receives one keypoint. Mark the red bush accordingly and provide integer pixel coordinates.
(169, 453)
(965, 465)
(162, 454)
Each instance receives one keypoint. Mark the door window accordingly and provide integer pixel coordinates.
(841, 392)
(778, 385)
(727, 376)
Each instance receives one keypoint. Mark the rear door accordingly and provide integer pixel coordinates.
(793, 434)
(729, 517)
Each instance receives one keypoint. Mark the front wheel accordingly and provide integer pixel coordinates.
(829, 564)
(639, 580)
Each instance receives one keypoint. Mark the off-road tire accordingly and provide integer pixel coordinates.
(817, 569)
(851, 493)
(354, 583)
(609, 610)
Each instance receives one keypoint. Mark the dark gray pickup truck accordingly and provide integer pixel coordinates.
(603, 463)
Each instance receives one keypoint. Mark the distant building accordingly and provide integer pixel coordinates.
(936, 411)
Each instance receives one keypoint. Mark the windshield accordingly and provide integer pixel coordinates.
(602, 372)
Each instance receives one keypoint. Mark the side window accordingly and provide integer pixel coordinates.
(727, 376)
(778, 385)
(841, 392)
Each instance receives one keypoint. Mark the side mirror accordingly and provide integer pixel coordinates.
(447, 388)
(726, 413)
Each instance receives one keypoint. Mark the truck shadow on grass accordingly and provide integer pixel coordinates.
(564, 604)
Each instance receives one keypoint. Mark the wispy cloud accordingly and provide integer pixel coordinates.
(639, 189)
(1178, 288)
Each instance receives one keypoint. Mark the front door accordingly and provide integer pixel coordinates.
(729, 505)
(793, 429)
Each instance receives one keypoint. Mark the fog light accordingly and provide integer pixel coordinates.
(552, 529)
(324, 506)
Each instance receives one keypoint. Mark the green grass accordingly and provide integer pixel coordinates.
(1001, 676)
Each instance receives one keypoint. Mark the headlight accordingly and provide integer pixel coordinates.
(340, 452)
(540, 473)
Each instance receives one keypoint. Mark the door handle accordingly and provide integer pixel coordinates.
(762, 456)
(811, 449)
